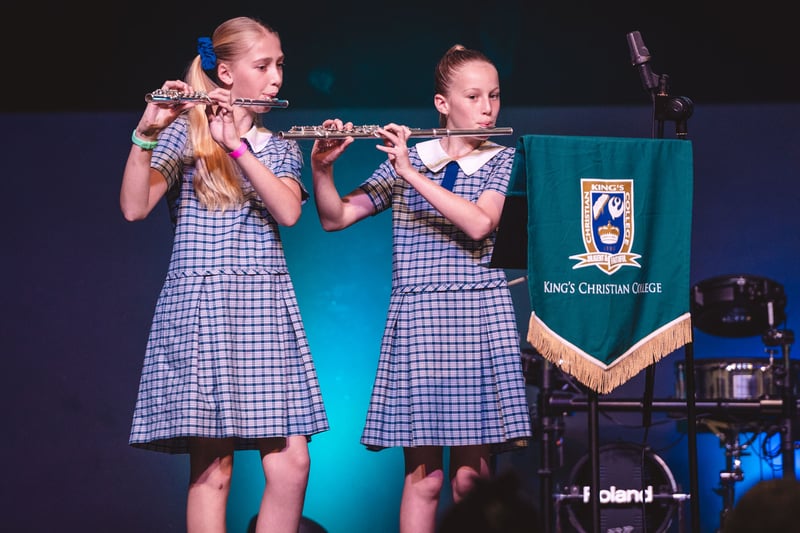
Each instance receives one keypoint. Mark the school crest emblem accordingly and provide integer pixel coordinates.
(607, 225)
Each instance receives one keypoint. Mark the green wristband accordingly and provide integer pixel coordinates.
(141, 143)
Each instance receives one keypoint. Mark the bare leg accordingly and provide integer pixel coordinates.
(424, 479)
(467, 464)
(286, 464)
(211, 468)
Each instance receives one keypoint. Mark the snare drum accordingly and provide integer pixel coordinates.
(735, 379)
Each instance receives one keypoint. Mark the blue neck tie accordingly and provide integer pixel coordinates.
(450, 172)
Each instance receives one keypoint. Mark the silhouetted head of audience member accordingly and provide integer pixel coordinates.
(769, 505)
(495, 505)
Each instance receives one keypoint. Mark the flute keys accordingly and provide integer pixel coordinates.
(321, 132)
(174, 96)
(371, 130)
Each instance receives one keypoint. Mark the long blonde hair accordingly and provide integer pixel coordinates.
(217, 182)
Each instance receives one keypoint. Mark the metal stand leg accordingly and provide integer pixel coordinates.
(732, 473)
(594, 447)
(691, 431)
(545, 452)
(786, 384)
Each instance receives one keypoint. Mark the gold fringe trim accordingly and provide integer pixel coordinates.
(598, 376)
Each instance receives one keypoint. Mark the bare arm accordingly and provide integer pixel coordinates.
(335, 212)
(281, 196)
(142, 187)
(477, 219)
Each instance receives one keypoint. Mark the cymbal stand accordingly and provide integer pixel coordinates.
(784, 382)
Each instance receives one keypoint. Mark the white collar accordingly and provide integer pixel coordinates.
(435, 158)
(257, 138)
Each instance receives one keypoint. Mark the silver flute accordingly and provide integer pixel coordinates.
(371, 131)
(171, 96)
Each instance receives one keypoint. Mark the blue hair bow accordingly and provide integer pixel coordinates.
(206, 51)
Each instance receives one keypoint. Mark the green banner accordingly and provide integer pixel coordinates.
(609, 234)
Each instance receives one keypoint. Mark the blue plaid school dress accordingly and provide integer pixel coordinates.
(227, 354)
(450, 366)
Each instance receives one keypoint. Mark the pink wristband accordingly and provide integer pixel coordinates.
(236, 154)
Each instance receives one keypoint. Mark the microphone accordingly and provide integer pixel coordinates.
(640, 58)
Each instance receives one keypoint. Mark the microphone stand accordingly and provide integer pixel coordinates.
(678, 109)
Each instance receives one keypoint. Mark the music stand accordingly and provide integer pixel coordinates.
(511, 242)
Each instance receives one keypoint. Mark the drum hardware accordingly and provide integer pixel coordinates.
(747, 396)
(735, 449)
(741, 306)
(560, 403)
(637, 492)
(788, 383)
(537, 370)
(737, 306)
(549, 423)
(554, 403)
(744, 393)
(728, 419)
(736, 378)
(778, 337)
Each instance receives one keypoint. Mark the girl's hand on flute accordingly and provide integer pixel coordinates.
(325, 151)
(221, 119)
(159, 115)
(395, 145)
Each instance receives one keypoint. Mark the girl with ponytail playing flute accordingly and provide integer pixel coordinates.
(227, 365)
(450, 367)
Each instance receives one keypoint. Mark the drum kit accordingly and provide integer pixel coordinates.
(744, 396)
(734, 397)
